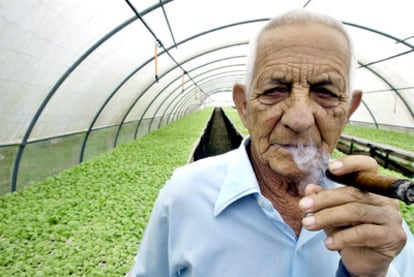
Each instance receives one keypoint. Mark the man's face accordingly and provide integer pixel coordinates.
(299, 93)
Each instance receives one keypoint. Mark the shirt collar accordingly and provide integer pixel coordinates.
(239, 181)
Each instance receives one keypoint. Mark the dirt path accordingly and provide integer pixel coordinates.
(219, 141)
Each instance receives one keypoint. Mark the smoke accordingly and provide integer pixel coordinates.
(311, 159)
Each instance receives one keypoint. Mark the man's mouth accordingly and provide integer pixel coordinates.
(294, 147)
(301, 154)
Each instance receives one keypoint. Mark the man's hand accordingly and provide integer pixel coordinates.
(364, 227)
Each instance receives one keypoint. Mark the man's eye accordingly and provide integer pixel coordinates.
(274, 95)
(325, 97)
(323, 91)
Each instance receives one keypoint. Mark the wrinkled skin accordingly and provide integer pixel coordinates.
(300, 95)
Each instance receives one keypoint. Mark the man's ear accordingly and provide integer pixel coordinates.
(356, 99)
(240, 100)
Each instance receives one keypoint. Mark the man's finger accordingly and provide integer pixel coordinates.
(341, 196)
(351, 214)
(367, 235)
(353, 163)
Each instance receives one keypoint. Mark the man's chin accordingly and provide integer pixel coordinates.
(288, 170)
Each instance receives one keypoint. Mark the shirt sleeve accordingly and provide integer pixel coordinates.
(152, 257)
(342, 271)
(403, 264)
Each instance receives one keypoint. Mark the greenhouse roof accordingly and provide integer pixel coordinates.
(75, 66)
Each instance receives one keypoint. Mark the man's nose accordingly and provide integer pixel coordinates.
(298, 115)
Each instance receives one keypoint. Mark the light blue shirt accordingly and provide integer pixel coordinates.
(210, 219)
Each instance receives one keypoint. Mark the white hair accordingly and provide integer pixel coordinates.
(292, 17)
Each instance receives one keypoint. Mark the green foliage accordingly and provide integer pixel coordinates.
(88, 221)
(234, 117)
(406, 210)
(394, 138)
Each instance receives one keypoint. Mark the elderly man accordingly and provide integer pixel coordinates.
(257, 211)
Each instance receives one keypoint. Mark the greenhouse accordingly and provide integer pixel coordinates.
(101, 100)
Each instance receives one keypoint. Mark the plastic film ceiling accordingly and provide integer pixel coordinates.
(72, 66)
(68, 66)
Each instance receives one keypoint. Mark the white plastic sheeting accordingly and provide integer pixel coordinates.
(65, 69)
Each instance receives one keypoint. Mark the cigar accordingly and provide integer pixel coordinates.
(402, 189)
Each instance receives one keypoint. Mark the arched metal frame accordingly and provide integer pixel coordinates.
(57, 85)
(153, 83)
(180, 104)
(346, 23)
(178, 99)
(376, 73)
(200, 82)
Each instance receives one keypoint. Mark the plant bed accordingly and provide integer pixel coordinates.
(394, 138)
(88, 220)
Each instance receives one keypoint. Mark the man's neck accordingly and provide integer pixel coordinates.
(282, 192)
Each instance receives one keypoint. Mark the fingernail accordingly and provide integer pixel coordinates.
(335, 165)
(308, 221)
(306, 203)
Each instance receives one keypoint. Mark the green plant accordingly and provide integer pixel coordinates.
(88, 220)
(395, 138)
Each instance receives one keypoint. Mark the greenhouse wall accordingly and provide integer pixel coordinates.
(48, 157)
